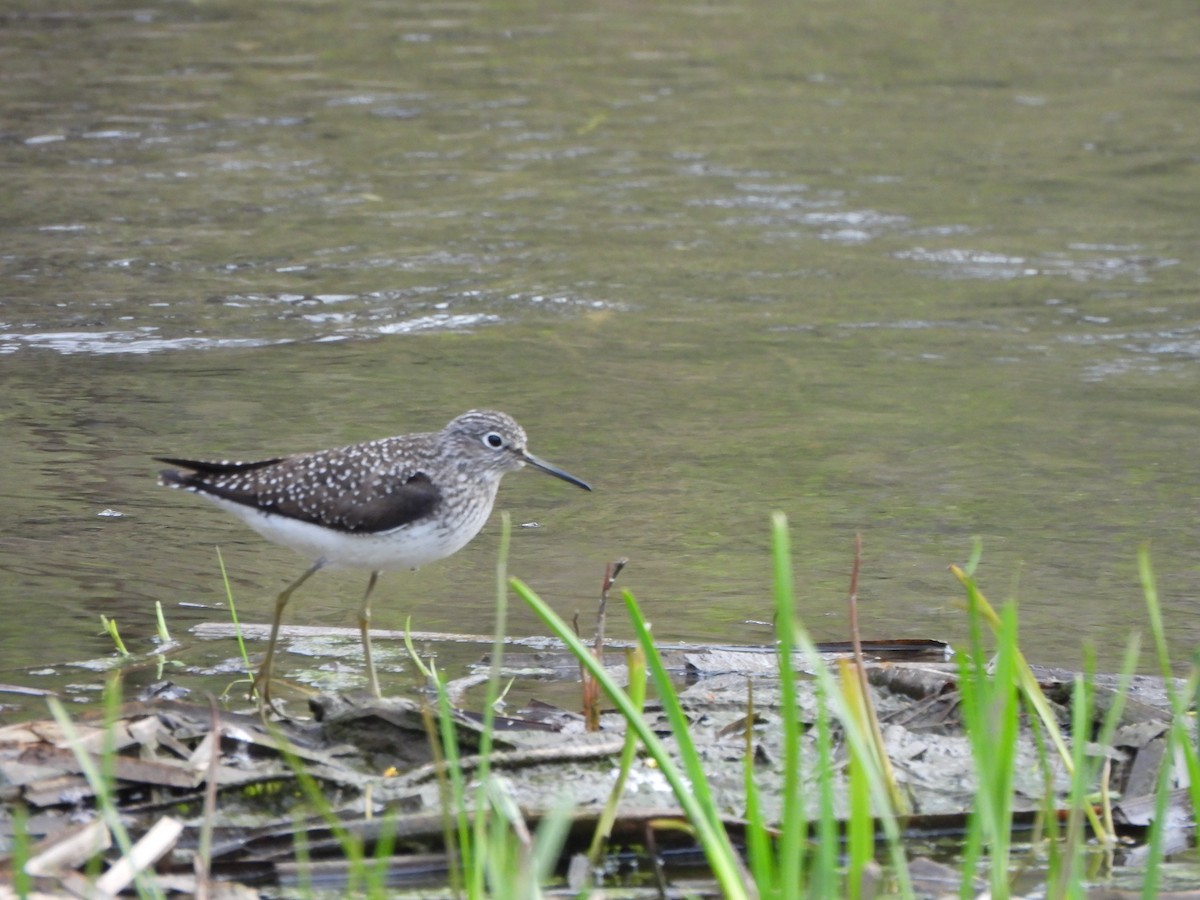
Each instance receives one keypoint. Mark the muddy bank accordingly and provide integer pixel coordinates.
(247, 789)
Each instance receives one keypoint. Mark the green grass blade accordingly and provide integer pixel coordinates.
(693, 765)
(824, 874)
(721, 856)
(110, 628)
(164, 636)
(1181, 745)
(549, 840)
(859, 742)
(19, 852)
(793, 839)
(351, 844)
(1031, 689)
(760, 853)
(145, 884)
(475, 875)
(635, 664)
(233, 617)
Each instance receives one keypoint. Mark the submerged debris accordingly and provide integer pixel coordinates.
(187, 776)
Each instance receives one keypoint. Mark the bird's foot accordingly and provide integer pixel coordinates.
(260, 690)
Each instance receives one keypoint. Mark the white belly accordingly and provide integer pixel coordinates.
(407, 547)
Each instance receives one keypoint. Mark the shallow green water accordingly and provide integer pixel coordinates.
(916, 270)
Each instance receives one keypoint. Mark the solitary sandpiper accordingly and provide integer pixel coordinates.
(393, 503)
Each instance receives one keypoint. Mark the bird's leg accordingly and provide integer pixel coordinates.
(364, 626)
(262, 681)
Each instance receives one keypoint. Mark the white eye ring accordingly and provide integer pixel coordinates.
(494, 440)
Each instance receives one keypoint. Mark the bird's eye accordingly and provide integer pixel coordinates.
(493, 440)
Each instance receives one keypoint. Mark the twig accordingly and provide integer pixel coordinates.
(855, 637)
(203, 858)
(591, 690)
(872, 719)
(611, 571)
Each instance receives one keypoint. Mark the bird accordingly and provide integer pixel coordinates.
(383, 505)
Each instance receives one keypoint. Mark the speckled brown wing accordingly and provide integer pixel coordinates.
(356, 490)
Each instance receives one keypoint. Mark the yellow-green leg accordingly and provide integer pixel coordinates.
(262, 681)
(364, 627)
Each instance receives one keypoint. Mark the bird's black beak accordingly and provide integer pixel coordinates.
(554, 470)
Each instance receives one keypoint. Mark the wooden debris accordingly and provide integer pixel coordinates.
(179, 768)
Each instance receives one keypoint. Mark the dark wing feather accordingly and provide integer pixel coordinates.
(357, 490)
(403, 504)
(206, 467)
